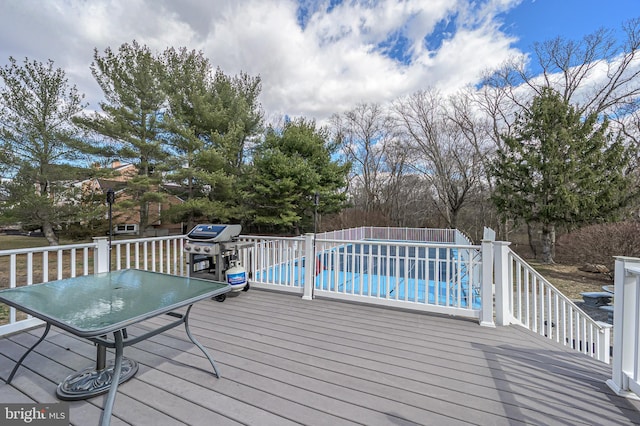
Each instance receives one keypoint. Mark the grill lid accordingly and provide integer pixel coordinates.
(214, 233)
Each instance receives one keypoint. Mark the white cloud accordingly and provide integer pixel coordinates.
(328, 66)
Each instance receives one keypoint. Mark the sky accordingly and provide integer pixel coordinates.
(314, 57)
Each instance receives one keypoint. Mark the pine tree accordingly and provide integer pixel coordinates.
(40, 148)
(211, 117)
(559, 169)
(289, 168)
(131, 80)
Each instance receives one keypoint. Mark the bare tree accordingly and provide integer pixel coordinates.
(442, 153)
(365, 134)
(402, 194)
(596, 74)
(480, 132)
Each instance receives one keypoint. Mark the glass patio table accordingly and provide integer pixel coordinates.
(93, 306)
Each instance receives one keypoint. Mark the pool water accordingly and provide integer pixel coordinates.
(390, 272)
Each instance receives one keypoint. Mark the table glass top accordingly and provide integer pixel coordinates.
(102, 303)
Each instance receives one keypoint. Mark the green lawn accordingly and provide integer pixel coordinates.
(12, 242)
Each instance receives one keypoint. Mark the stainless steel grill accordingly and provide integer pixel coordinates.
(213, 253)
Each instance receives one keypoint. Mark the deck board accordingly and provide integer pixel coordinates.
(285, 360)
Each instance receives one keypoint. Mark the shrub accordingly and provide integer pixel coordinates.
(599, 244)
(85, 231)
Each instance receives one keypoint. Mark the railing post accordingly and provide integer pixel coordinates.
(310, 265)
(486, 292)
(101, 255)
(604, 354)
(625, 328)
(503, 283)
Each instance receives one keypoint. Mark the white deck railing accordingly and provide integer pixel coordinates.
(38, 265)
(625, 378)
(42, 264)
(533, 302)
(158, 254)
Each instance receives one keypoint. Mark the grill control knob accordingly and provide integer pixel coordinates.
(207, 249)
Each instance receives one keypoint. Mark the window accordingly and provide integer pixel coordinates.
(126, 228)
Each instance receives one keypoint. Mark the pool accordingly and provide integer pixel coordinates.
(431, 275)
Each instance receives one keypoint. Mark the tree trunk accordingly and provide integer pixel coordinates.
(507, 230)
(453, 215)
(503, 229)
(51, 236)
(532, 245)
(190, 222)
(144, 217)
(547, 242)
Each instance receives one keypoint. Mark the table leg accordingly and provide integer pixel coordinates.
(19, 363)
(105, 419)
(195, 342)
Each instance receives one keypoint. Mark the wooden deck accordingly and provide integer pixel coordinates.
(285, 361)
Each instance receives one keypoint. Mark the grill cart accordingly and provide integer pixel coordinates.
(213, 255)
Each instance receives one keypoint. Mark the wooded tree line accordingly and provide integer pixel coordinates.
(550, 151)
(178, 120)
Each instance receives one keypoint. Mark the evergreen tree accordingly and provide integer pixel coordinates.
(40, 148)
(132, 82)
(237, 115)
(558, 169)
(289, 168)
(210, 119)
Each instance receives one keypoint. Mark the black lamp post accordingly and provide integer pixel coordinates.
(111, 197)
(316, 202)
